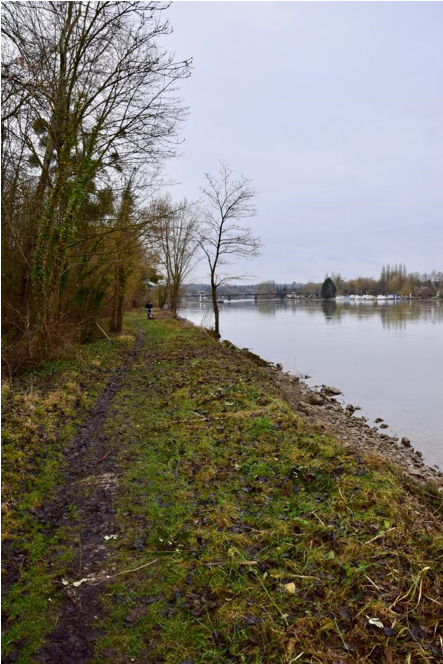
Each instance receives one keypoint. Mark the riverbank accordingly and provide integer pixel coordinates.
(197, 517)
(386, 360)
(322, 411)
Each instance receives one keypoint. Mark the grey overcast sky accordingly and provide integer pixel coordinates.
(335, 111)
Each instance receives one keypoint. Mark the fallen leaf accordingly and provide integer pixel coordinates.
(375, 621)
(290, 587)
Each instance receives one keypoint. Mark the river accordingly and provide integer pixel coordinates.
(385, 357)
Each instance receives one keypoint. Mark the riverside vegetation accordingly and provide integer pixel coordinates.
(195, 517)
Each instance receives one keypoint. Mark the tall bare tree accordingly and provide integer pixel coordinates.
(176, 230)
(226, 201)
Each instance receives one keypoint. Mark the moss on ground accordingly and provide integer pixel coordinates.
(244, 537)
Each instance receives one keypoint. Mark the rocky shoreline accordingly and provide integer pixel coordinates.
(322, 410)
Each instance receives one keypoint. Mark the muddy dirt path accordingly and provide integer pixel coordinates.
(85, 503)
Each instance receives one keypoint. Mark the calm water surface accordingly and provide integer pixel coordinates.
(386, 358)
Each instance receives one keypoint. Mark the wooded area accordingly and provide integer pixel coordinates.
(90, 113)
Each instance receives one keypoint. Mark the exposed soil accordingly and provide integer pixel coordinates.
(323, 411)
(85, 502)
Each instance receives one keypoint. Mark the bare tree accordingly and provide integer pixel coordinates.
(177, 243)
(227, 200)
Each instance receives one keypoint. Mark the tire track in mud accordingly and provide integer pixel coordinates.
(88, 493)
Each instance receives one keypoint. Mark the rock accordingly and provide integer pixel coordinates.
(314, 402)
(315, 399)
(279, 366)
(415, 471)
(330, 391)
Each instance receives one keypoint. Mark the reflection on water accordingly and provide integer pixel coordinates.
(390, 312)
(386, 356)
(263, 306)
(329, 308)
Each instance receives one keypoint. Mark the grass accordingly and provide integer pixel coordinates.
(272, 544)
(41, 411)
(242, 535)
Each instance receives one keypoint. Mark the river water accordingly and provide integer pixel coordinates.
(385, 357)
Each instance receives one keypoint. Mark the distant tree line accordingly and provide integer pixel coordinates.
(394, 279)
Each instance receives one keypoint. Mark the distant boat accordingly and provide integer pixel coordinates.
(205, 298)
(293, 296)
(368, 298)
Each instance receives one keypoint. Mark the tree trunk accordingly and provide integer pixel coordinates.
(173, 299)
(118, 300)
(215, 308)
(121, 300)
(113, 321)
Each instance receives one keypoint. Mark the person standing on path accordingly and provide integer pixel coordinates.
(149, 307)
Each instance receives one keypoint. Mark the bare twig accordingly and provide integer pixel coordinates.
(372, 582)
(380, 535)
(102, 330)
(136, 569)
(230, 562)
